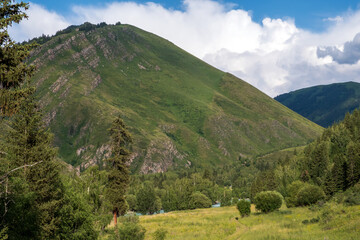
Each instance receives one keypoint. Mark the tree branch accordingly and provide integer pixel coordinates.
(2, 178)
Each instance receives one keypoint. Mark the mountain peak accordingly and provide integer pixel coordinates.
(181, 111)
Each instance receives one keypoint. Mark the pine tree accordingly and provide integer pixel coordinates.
(118, 178)
(353, 165)
(13, 70)
(319, 162)
(29, 144)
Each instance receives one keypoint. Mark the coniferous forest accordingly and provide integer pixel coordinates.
(42, 196)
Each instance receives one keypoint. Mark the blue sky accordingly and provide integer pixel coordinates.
(308, 14)
(277, 46)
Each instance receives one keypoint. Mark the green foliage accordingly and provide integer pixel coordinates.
(118, 177)
(130, 229)
(226, 197)
(352, 195)
(76, 217)
(318, 161)
(3, 234)
(199, 200)
(132, 202)
(333, 160)
(92, 183)
(28, 144)
(324, 105)
(353, 163)
(146, 199)
(177, 195)
(292, 190)
(13, 70)
(160, 234)
(268, 201)
(20, 216)
(265, 181)
(244, 207)
(308, 195)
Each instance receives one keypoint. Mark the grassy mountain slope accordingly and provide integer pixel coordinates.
(325, 104)
(180, 111)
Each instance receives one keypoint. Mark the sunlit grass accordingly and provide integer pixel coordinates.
(221, 223)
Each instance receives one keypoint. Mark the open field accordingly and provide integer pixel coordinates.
(336, 222)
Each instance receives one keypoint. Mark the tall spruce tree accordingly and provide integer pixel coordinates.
(353, 166)
(28, 143)
(14, 193)
(13, 70)
(118, 178)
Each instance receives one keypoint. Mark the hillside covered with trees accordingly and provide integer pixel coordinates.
(325, 104)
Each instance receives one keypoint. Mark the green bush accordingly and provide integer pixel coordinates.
(199, 200)
(268, 201)
(130, 229)
(160, 234)
(308, 195)
(292, 191)
(244, 207)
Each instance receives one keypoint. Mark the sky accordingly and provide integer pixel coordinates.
(276, 45)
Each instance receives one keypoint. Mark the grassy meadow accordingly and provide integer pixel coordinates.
(335, 222)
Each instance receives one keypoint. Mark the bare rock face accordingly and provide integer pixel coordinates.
(165, 151)
(85, 152)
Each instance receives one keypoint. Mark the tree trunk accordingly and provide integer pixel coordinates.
(115, 218)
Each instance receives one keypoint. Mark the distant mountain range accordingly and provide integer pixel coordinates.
(325, 104)
(181, 111)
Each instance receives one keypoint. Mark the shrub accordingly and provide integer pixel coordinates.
(160, 234)
(130, 229)
(244, 207)
(308, 195)
(292, 190)
(268, 201)
(199, 200)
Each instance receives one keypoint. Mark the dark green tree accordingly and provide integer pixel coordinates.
(29, 144)
(353, 166)
(146, 199)
(13, 69)
(319, 162)
(199, 200)
(265, 181)
(244, 207)
(118, 178)
(336, 179)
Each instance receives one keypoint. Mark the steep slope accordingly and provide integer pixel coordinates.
(325, 104)
(181, 111)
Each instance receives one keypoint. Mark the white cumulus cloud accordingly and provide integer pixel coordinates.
(40, 21)
(275, 55)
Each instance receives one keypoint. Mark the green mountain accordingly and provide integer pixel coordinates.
(325, 104)
(181, 111)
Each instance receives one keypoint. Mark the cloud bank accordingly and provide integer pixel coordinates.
(349, 55)
(275, 55)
